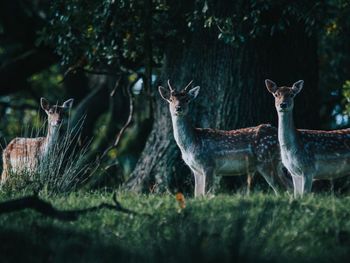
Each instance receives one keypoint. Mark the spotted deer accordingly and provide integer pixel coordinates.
(210, 152)
(22, 155)
(308, 154)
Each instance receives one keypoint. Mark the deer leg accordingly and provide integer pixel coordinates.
(299, 184)
(250, 177)
(308, 183)
(210, 180)
(199, 184)
(267, 172)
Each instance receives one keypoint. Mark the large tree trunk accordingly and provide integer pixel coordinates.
(232, 95)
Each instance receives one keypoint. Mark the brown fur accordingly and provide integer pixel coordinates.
(22, 154)
(27, 151)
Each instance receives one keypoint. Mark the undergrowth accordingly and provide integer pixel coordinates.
(226, 228)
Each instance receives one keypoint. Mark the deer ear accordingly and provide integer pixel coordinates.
(68, 104)
(45, 105)
(193, 93)
(165, 93)
(297, 86)
(271, 86)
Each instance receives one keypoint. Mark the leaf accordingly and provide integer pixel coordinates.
(180, 198)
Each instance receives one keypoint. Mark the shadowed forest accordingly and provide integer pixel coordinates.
(109, 179)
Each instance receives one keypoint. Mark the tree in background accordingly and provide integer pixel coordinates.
(227, 47)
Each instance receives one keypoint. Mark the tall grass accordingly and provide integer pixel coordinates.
(64, 168)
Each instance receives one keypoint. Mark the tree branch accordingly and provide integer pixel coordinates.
(127, 123)
(35, 203)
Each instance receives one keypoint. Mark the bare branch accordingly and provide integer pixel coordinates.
(41, 206)
(127, 123)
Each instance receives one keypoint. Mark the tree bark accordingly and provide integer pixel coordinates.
(232, 95)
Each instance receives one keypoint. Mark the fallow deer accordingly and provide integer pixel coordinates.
(308, 154)
(211, 152)
(22, 155)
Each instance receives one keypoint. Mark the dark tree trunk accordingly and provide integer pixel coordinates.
(232, 95)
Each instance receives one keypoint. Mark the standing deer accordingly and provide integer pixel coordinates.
(308, 154)
(22, 155)
(211, 152)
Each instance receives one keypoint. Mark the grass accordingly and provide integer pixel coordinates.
(226, 228)
(63, 169)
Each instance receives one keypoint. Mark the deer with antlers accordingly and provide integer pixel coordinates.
(308, 154)
(22, 155)
(210, 152)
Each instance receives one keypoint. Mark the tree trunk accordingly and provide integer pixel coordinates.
(232, 95)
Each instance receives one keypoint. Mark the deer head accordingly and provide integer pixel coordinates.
(56, 114)
(284, 96)
(179, 100)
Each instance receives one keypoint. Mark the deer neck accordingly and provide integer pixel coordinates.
(183, 132)
(51, 138)
(287, 134)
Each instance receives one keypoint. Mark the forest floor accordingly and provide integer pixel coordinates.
(226, 228)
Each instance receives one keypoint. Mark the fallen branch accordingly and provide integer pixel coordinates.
(41, 206)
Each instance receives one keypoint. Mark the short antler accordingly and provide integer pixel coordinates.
(171, 89)
(188, 85)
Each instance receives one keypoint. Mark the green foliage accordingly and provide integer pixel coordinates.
(118, 34)
(49, 80)
(256, 228)
(110, 32)
(105, 33)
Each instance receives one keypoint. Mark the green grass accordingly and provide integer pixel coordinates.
(226, 228)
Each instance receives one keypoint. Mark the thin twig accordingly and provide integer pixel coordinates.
(128, 122)
(126, 125)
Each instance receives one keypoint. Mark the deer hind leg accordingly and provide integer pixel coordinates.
(308, 183)
(267, 171)
(5, 167)
(250, 177)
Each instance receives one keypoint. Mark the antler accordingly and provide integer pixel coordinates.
(188, 85)
(171, 89)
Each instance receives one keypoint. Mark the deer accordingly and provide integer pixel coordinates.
(209, 152)
(308, 154)
(22, 155)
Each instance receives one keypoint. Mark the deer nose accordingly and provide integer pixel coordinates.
(283, 105)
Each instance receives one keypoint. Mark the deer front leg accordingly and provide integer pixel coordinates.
(199, 184)
(302, 183)
(298, 184)
(210, 180)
